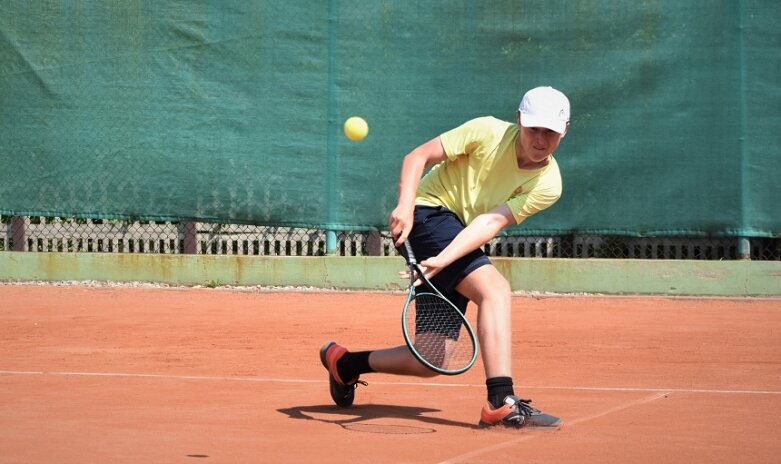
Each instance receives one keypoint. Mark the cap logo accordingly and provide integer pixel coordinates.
(561, 114)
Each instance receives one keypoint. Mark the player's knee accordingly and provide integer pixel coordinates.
(495, 296)
(485, 284)
(503, 288)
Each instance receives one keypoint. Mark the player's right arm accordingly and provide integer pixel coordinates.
(416, 161)
(476, 234)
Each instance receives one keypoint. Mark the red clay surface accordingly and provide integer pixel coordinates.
(94, 375)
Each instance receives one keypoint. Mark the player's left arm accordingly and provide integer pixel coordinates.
(482, 229)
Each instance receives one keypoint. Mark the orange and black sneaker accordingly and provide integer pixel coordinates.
(343, 393)
(517, 413)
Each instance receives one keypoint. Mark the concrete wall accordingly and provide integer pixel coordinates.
(605, 276)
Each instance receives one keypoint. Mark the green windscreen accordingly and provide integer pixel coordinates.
(231, 111)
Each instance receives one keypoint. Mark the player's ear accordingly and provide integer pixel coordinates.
(518, 117)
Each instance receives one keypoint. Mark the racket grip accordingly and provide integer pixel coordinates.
(410, 254)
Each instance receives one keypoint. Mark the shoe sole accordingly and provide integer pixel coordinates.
(509, 425)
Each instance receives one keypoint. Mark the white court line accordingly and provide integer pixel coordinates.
(424, 384)
(527, 437)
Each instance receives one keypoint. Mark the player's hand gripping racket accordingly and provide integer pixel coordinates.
(436, 332)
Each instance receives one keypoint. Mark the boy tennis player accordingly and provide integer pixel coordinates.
(487, 174)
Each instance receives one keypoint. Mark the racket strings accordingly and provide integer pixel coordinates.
(437, 326)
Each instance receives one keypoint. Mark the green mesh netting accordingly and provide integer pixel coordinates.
(232, 111)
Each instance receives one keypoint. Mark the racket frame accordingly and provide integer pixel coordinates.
(416, 273)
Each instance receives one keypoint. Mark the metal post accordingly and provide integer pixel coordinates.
(190, 237)
(332, 165)
(374, 243)
(744, 248)
(19, 233)
(330, 242)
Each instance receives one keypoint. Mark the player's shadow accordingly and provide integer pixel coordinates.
(353, 417)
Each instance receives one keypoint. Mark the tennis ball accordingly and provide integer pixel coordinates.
(355, 128)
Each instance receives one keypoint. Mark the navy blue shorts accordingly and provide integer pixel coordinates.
(433, 229)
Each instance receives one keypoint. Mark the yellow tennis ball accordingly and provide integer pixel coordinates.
(355, 128)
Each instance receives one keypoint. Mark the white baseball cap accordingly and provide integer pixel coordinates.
(545, 107)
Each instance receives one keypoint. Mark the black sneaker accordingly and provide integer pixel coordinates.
(343, 393)
(517, 413)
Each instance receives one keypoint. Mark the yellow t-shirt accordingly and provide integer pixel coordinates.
(482, 172)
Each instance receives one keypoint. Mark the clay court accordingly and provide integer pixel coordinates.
(187, 375)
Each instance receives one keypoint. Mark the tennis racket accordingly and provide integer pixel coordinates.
(435, 330)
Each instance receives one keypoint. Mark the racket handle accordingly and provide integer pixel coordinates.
(410, 254)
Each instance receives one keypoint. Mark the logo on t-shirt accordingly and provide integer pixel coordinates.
(517, 191)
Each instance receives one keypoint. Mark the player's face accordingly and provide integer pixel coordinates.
(537, 143)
